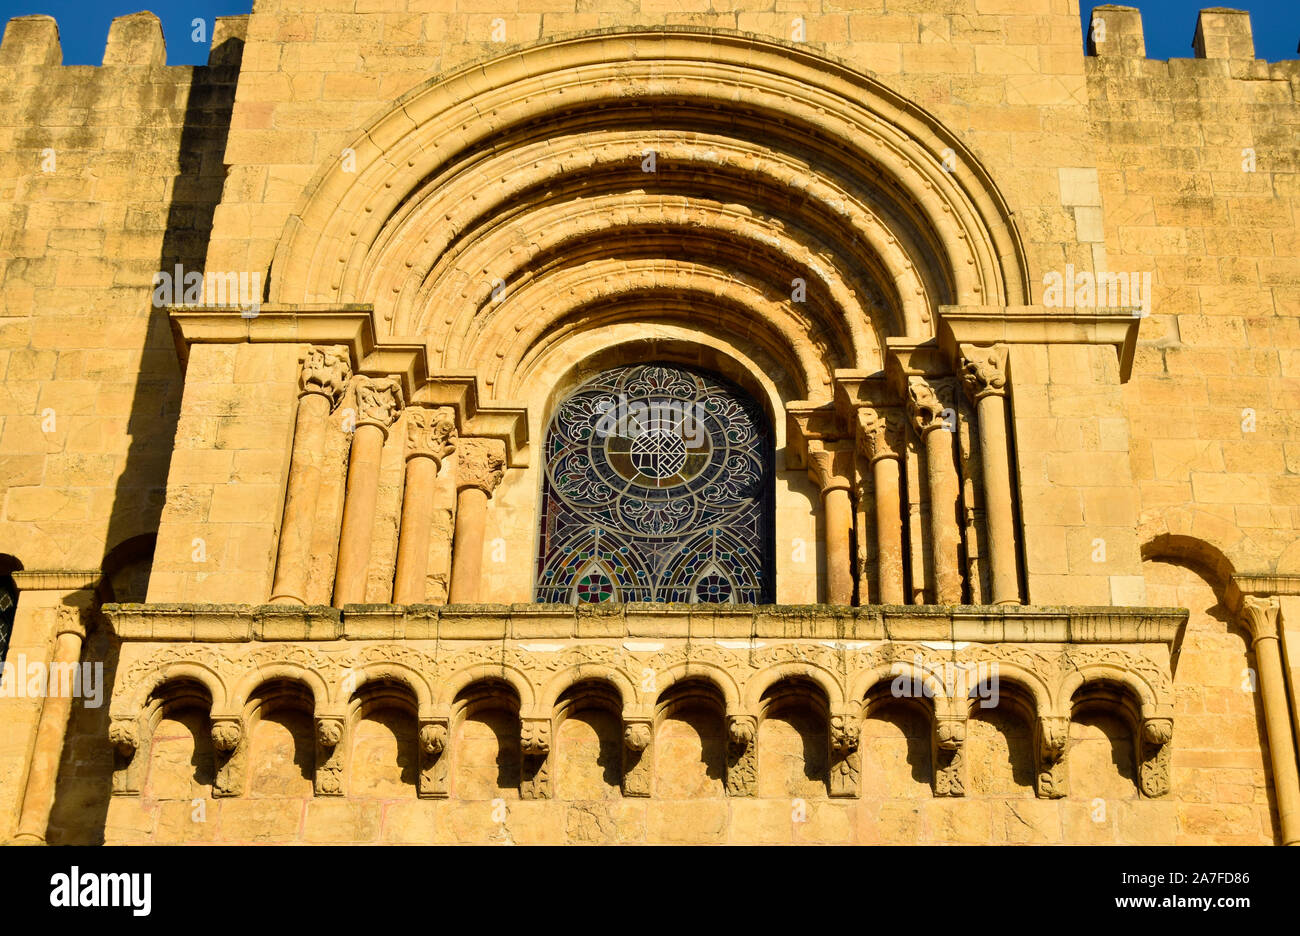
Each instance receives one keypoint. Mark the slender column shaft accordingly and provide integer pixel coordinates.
(480, 466)
(358, 514)
(889, 529)
(300, 501)
(998, 511)
(467, 550)
(945, 536)
(51, 731)
(417, 522)
(839, 530)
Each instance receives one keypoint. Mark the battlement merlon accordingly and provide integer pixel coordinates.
(133, 41)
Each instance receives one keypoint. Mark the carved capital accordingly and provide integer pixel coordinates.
(844, 734)
(379, 400)
(430, 432)
(1260, 615)
(984, 371)
(481, 463)
(326, 372)
(329, 731)
(880, 433)
(535, 737)
(1053, 735)
(830, 465)
(636, 735)
(70, 620)
(1157, 730)
(433, 738)
(930, 404)
(226, 734)
(124, 736)
(949, 733)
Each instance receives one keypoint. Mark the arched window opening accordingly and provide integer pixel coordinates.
(657, 487)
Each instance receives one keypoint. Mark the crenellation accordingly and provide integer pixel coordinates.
(31, 40)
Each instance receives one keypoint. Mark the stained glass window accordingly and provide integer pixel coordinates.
(658, 487)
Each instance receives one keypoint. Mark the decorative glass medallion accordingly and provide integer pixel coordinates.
(658, 485)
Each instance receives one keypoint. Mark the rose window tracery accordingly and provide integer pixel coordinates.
(657, 488)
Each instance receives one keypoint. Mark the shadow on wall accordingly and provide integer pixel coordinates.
(85, 772)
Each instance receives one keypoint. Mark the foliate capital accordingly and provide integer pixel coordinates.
(1260, 616)
(929, 404)
(984, 371)
(481, 464)
(535, 737)
(830, 466)
(430, 432)
(379, 400)
(325, 371)
(880, 433)
(1053, 736)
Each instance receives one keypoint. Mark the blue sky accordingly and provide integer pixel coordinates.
(83, 24)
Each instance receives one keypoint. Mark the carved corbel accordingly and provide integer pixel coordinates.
(230, 741)
(330, 752)
(742, 755)
(535, 750)
(949, 756)
(1051, 780)
(638, 736)
(845, 761)
(1153, 771)
(434, 765)
(128, 764)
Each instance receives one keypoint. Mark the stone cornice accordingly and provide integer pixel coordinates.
(65, 580)
(352, 326)
(1032, 324)
(973, 624)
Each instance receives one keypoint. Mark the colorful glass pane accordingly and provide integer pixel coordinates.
(658, 472)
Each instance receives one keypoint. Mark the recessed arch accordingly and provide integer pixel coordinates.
(469, 192)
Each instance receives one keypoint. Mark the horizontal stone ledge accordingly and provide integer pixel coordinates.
(958, 624)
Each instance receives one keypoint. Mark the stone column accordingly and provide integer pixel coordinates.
(480, 466)
(929, 405)
(1260, 616)
(430, 437)
(881, 436)
(324, 377)
(830, 465)
(984, 375)
(378, 402)
(52, 729)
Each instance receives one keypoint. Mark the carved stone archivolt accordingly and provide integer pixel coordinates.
(841, 674)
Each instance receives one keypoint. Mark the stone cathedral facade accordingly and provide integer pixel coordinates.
(621, 421)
